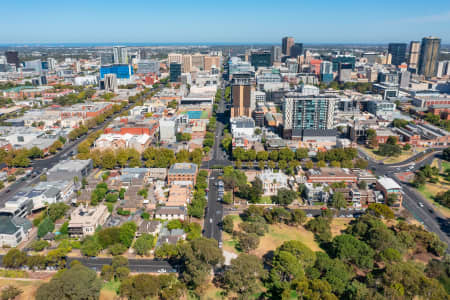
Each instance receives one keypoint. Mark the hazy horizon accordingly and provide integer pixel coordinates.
(113, 21)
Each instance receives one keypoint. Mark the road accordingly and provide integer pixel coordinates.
(214, 210)
(431, 218)
(135, 265)
(47, 163)
(219, 156)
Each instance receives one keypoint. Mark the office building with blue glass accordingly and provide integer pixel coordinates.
(398, 53)
(175, 72)
(343, 60)
(121, 71)
(261, 59)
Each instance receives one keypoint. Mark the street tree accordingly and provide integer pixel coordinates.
(78, 282)
(284, 196)
(338, 200)
(144, 244)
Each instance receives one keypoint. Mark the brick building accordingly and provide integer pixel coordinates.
(388, 186)
(182, 174)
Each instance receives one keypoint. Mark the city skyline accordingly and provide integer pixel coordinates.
(249, 22)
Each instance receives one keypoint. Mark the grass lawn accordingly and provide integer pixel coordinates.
(111, 286)
(429, 190)
(29, 287)
(445, 165)
(13, 273)
(229, 244)
(265, 200)
(392, 160)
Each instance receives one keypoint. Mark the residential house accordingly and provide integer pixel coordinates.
(171, 212)
(272, 181)
(148, 227)
(167, 236)
(316, 192)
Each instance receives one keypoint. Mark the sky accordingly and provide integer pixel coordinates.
(231, 21)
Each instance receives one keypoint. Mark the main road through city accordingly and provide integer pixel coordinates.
(214, 210)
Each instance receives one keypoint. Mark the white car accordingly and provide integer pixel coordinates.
(162, 271)
(420, 204)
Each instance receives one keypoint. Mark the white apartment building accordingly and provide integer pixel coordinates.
(167, 130)
(84, 221)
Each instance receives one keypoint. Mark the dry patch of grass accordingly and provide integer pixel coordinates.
(29, 287)
(212, 292)
(216, 293)
(338, 225)
(108, 295)
(422, 257)
(280, 233)
(277, 235)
